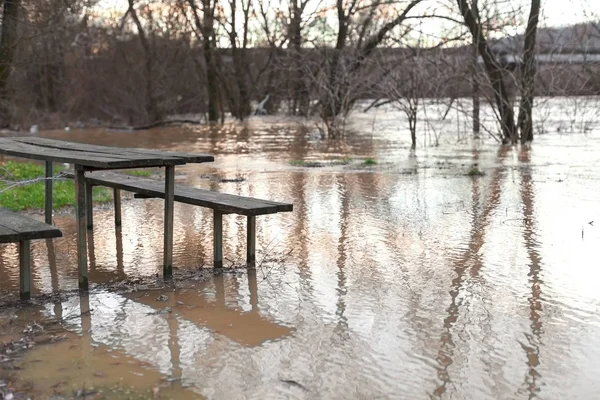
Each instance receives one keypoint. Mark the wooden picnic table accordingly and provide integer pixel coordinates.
(87, 157)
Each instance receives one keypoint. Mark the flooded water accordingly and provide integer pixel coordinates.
(407, 279)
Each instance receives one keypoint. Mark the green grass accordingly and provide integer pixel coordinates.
(139, 172)
(31, 195)
(475, 172)
(297, 163)
(370, 161)
(345, 160)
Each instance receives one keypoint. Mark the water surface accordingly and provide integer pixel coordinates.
(408, 279)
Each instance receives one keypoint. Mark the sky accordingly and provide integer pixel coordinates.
(568, 12)
(554, 13)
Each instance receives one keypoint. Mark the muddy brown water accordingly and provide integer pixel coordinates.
(405, 280)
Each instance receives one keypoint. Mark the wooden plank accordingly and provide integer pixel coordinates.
(217, 239)
(226, 203)
(169, 187)
(48, 196)
(94, 160)
(81, 231)
(125, 151)
(15, 227)
(25, 269)
(251, 242)
(117, 201)
(89, 205)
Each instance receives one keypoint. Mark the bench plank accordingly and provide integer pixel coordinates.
(15, 148)
(15, 227)
(123, 151)
(226, 203)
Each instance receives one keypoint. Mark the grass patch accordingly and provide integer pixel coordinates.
(145, 173)
(297, 163)
(475, 172)
(370, 161)
(31, 195)
(343, 161)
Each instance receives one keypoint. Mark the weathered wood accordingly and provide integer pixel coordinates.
(25, 269)
(15, 227)
(81, 231)
(110, 150)
(89, 205)
(226, 203)
(217, 239)
(169, 188)
(251, 242)
(48, 195)
(117, 201)
(88, 159)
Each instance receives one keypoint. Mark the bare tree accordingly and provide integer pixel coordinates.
(528, 71)
(494, 72)
(205, 31)
(8, 42)
(151, 107)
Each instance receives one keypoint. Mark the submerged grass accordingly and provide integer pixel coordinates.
(22, 189)
(475, 172)
(139, 172)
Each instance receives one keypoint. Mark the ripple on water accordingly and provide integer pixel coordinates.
(379, 284)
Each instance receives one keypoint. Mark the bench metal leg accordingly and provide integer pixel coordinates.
(89, 205)
(168, 229)
(218, 239)
(117, 200)
(81, 231)
(25, 269)
(251, 242)
(48, 197)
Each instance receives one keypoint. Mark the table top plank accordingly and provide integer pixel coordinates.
(12, 147)
(122, 151)
(15, 227)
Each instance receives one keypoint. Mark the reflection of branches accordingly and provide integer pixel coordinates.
(341, 262)
(535, 305)
(470, 258)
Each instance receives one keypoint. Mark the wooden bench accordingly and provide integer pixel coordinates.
(220, 203)
(15, 227)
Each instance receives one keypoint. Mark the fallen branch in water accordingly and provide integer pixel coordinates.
(155, 125)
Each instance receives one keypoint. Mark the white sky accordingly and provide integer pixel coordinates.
(567, 12)
(554, 12)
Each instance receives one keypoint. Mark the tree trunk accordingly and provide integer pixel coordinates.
(333, 104)
(208, 45)
(528, 71)
(8, 41)
(475, 82)
(494, 72)
(151, 107)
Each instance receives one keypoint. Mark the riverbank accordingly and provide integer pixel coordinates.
(22, 187)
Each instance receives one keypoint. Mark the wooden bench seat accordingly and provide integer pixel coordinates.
(220, 203)
(15, 227)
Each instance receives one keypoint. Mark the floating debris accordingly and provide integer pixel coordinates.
(232, 180)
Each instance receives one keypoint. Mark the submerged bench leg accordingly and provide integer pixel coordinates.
(251, 242)
(117, 200)
(89, 205)
(48, 196)
(25, 269)
(218, 239)
(81, 231)
(168, 230)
